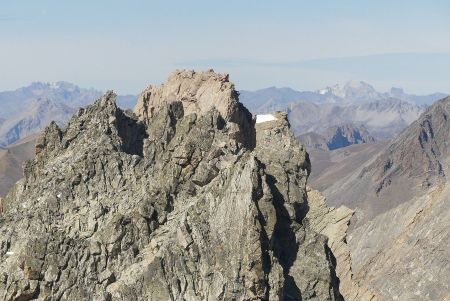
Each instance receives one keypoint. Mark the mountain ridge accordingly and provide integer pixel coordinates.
(164, 205)
(383, 114)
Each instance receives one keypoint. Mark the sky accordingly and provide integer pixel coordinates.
(306, 45)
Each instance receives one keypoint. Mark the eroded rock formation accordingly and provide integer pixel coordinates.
(187, 199)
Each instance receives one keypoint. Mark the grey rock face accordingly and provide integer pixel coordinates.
(333, 222)
(186, 201)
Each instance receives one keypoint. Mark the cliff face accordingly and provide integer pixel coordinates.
(187, 199)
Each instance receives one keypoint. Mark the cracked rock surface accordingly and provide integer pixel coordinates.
(184, 199)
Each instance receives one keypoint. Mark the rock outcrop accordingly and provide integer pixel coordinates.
(187, 199)
(199, 93)
(333, 223)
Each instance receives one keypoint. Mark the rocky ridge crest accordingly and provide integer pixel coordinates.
(186, 199)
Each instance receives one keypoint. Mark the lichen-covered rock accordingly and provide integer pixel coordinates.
(185, 201)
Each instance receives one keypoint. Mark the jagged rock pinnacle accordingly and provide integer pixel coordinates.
(184, 200)
(199, 93)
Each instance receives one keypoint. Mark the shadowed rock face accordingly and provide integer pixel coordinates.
(336, 137)
(184, 200)
(347, 134)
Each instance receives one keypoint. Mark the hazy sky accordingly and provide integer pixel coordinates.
(125, 45)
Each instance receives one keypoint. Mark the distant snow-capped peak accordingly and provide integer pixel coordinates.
(351, 91)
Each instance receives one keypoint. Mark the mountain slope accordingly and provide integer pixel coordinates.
(417, 159)
(347, 134)
(34, 119)
(403, 253)
(400, 236)
(416, 99)
(29, 109)
(11, 160)
(352, 91)
(333, 166)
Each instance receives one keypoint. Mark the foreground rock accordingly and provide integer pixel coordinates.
(334, 222)
(185, 200)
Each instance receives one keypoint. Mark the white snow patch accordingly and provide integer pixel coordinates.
(323, 91)
(264, 118)
(58, 195)
(9, 253)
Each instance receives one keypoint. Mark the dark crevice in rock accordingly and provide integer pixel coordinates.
(243, 117)
(132, 132)
(301, 210)
(291, 292)
(284, 244)
(334, 278)
(264, 238)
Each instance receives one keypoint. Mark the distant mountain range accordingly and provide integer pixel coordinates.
(415, 160)
(383, 114)
(29, 109)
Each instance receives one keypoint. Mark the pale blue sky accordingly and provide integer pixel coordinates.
(125, 45)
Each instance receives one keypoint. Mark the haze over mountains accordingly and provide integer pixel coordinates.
(383, 114)
(27, 110)
(30, 109)
(418, 158)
